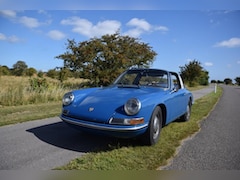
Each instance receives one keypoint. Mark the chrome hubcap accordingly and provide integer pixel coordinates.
(155, 127)
(188, 112)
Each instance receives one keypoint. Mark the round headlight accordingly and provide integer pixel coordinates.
(67, 98)
(132, 106)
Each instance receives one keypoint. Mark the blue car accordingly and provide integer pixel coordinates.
(138, 104)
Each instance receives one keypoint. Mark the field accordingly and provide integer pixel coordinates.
(17, 91)
(25, 99)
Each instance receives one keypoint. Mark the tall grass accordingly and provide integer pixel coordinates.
(16, 91)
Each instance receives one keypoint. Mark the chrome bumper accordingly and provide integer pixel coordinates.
(104, 127)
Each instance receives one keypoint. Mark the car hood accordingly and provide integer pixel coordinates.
(101, 104)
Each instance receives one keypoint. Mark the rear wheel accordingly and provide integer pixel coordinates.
(152, 134)
(187, 115)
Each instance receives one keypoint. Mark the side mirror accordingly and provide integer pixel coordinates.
(175, 89)
(176, 86)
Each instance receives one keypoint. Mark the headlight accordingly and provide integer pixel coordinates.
(132, 106)
(67, 98)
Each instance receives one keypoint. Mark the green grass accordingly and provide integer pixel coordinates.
(195, 87)
(18, 114)
(135, 157)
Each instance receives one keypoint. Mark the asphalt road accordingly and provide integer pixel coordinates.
(217, 145)
(44, 144)
(49, 143)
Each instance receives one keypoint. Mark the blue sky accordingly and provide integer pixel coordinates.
(121, 4)
(178, 36)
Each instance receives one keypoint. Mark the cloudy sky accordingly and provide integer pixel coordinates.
(209, 35)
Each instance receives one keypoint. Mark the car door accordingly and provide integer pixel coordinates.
(177, 101)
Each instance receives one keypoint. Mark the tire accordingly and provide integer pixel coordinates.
(152, 134)
(187, 115)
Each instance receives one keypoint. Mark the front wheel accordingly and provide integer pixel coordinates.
(152, 134)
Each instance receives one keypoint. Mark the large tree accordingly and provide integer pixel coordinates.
(19, 68)
(101, 60)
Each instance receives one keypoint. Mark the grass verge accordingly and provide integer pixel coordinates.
(131, 157)
(18, 114)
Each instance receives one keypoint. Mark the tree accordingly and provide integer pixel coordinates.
(30, 71)
(203, 79)
(63, 74)
(237, 79)
(213, 81)
(52, 73)
(40, 74)
(4, 70)
(19, 68)
(191, 72)
(102, 59)
(227, 81)
(220, 82)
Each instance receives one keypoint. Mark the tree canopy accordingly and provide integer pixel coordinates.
(101, 60)
(19, 68)
(237, 79)
(228, 81)
(193, 73)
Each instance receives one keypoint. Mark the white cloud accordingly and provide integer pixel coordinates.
(134, 32)
(106, 27)
(161, 28)
(29, 22)
(56, 35)
(2, 37)
(87, 28)
(8, 13)
(208, 64)
(11, 39)
(233, 42)
(26, 21)
(140, 26)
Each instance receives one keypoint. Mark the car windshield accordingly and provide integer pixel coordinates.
(143, 77)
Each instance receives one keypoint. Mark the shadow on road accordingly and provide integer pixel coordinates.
(62, 136)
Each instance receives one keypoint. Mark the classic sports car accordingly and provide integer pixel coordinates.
(138, 104)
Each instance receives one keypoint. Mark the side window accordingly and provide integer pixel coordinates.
(175, 81)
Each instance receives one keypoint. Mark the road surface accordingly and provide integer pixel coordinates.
(217, 145)
(49, 143)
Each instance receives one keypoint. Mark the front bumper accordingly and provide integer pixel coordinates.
(108, 129)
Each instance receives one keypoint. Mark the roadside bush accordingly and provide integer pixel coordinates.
(38, 84)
